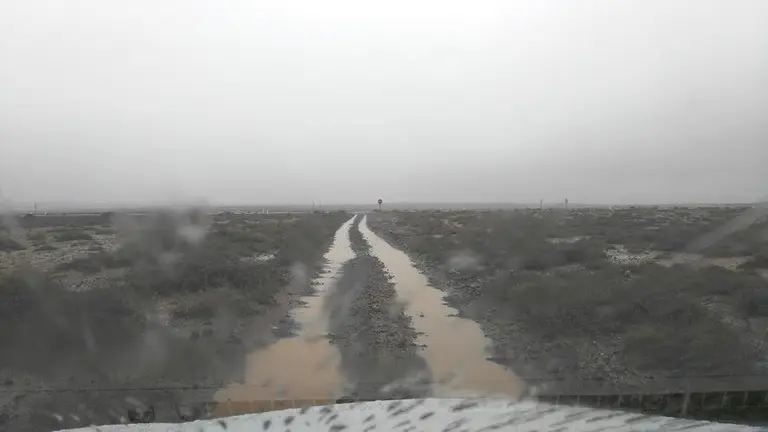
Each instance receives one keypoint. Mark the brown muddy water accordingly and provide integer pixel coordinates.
(305, 366)
(455, 349)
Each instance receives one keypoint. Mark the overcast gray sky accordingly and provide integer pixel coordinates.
(138, 101)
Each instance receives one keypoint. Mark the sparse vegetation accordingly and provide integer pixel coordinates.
(544, 281)
(72, 235)
(760, 260)
(197, 268)
(38, 236)
(9, 244)
(39, 318)
(96, 262)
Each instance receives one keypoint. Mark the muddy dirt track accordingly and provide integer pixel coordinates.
(378, 331)
(396, 336)
(377, 342)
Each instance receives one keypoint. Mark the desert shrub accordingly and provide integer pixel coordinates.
(212, 302)
(740, 241)
(96, 262)
(543, 256)
(103, 230)
(63, 221)
(661, 323)
(72, 235)
(754, 305)
(243, 239)
(37, 236)
(8, 244)
(201, 310)
(163, 263)
(701, 347)
(209, 265)
(760, 260)
(654, 316)
(715, 281)
(39, 321)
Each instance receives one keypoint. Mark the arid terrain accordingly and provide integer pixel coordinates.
(178, 315)
(104, 315)
(612, 299)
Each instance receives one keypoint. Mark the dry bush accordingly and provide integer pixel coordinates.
(655, 315)
(41, 321)
(96, 262)
(8, 244)
(72, 235)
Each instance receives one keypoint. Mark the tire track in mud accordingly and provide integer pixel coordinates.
(379, 355)
(454, 348)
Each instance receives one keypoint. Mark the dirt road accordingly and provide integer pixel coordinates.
(373, 329)
(367, 326)
(454, 348)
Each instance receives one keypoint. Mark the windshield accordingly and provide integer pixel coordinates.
(211, 209)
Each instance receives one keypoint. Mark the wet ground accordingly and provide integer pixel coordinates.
(373, 329)
(541, 317)
(454, 348)
(74, 355)
(306, 365)
(370, 327)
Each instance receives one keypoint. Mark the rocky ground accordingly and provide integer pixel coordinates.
(377, 343)
(590, 298)
(106, 318)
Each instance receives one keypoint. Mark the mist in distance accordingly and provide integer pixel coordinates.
(145, 102)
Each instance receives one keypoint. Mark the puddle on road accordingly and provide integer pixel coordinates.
(302, 367)
(455, 347)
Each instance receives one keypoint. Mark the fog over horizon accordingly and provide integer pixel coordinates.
(268, 102)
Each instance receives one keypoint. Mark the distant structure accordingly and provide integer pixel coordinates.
(380, 203)
(566, 203)
(541, 204)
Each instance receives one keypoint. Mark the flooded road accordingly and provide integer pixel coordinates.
(456, 348)
(305, 366)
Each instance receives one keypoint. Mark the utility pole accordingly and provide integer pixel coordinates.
(541, 205)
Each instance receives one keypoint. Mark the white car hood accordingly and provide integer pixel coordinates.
(435, 415)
